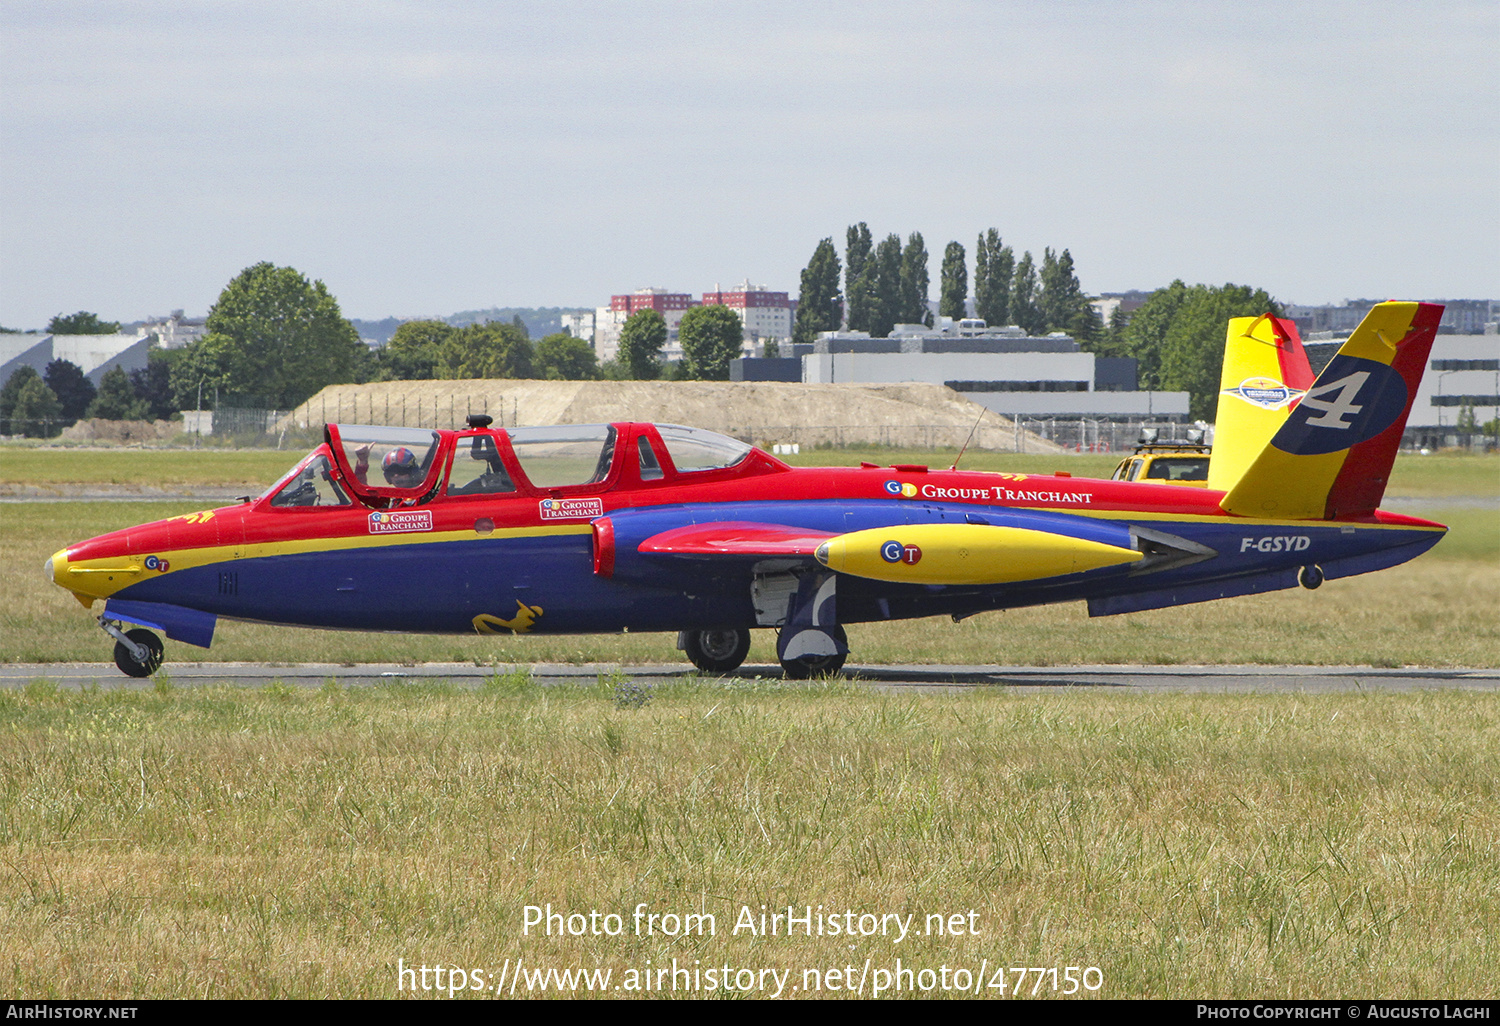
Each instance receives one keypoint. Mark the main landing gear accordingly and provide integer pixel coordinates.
(715, 651)
(138, 652)
(803, 655)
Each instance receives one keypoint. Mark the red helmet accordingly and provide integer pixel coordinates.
(400, 461)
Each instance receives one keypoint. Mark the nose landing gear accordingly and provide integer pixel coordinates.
(138, 652)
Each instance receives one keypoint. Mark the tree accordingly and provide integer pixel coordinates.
(116, 399)
(820, 305)
(81, 323)
(915, 282)
(1023, 297)
(954, 290)
(18, 380)
(561, 357)
(274, 339)
(1193, 356)
(488, 350)
(993, 266)
(153, 383)
(1146, 332)
(72, 387)
(711, 336)
(1064, 307)
(882, 275)
(857, 286)
(412, 352)
(36, 409)
(1111, 340)
(641, 341)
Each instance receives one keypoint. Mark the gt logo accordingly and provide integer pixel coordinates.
(1341, 406)
(1276, 543)
(895, 552)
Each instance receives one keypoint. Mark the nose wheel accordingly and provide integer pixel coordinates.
(138, 652)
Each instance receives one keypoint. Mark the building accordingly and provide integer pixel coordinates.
(1002, 369)
(95, 355)
(1460, 317)
(609, 320)
(580, 325)
(175, 331)
(1126, 303)
(766, 315)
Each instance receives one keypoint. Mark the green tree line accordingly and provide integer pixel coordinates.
(886, 284)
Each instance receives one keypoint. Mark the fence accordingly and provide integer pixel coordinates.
(1080, 434)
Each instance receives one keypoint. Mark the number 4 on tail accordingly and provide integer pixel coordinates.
(1343, 405)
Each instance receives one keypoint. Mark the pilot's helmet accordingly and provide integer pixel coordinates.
(400, 467)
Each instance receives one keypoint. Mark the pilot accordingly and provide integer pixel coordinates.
(400, 467)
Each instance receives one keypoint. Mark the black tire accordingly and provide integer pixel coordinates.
(126, 662)
(1310, 577)
(806, 669)
(816, 666)
(717, 651)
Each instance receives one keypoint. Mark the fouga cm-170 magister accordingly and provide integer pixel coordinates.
(656, 527)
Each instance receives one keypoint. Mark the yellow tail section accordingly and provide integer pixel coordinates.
(1332, 454)
(1265, 373)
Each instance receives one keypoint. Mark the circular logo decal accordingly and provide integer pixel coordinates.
(895, 552)
(151, 562)
(1267, 393)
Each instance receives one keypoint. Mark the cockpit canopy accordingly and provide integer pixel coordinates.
(383, 467)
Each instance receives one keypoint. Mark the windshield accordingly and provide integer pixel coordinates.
(556, 457)
(696, 449)
(312, 484)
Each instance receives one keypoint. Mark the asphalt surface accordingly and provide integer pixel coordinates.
(896, 679)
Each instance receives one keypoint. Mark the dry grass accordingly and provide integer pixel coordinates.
(278, 843)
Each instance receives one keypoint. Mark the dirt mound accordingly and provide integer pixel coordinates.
(123, 431)
(910, 415)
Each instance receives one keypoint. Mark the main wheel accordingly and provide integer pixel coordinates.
(810, 667)
(717, 651)
(150, 642)
(807, 667)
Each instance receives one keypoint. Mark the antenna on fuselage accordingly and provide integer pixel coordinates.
(982, 412)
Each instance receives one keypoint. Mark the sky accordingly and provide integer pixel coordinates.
(422, 158)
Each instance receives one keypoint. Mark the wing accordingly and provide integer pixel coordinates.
(736, 538)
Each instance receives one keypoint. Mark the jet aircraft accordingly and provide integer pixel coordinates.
(660, 527)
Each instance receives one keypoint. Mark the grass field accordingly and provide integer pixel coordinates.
(279, 842)
(285, 843)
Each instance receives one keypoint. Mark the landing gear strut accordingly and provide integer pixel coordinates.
(138, 652)
(715, 651)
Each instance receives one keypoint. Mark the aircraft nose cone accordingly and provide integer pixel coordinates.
(56, 567)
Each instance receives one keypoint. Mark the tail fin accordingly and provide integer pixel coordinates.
(1265, 373)
(1332, 456)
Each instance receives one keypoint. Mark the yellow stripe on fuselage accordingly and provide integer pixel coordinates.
(97, 578)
